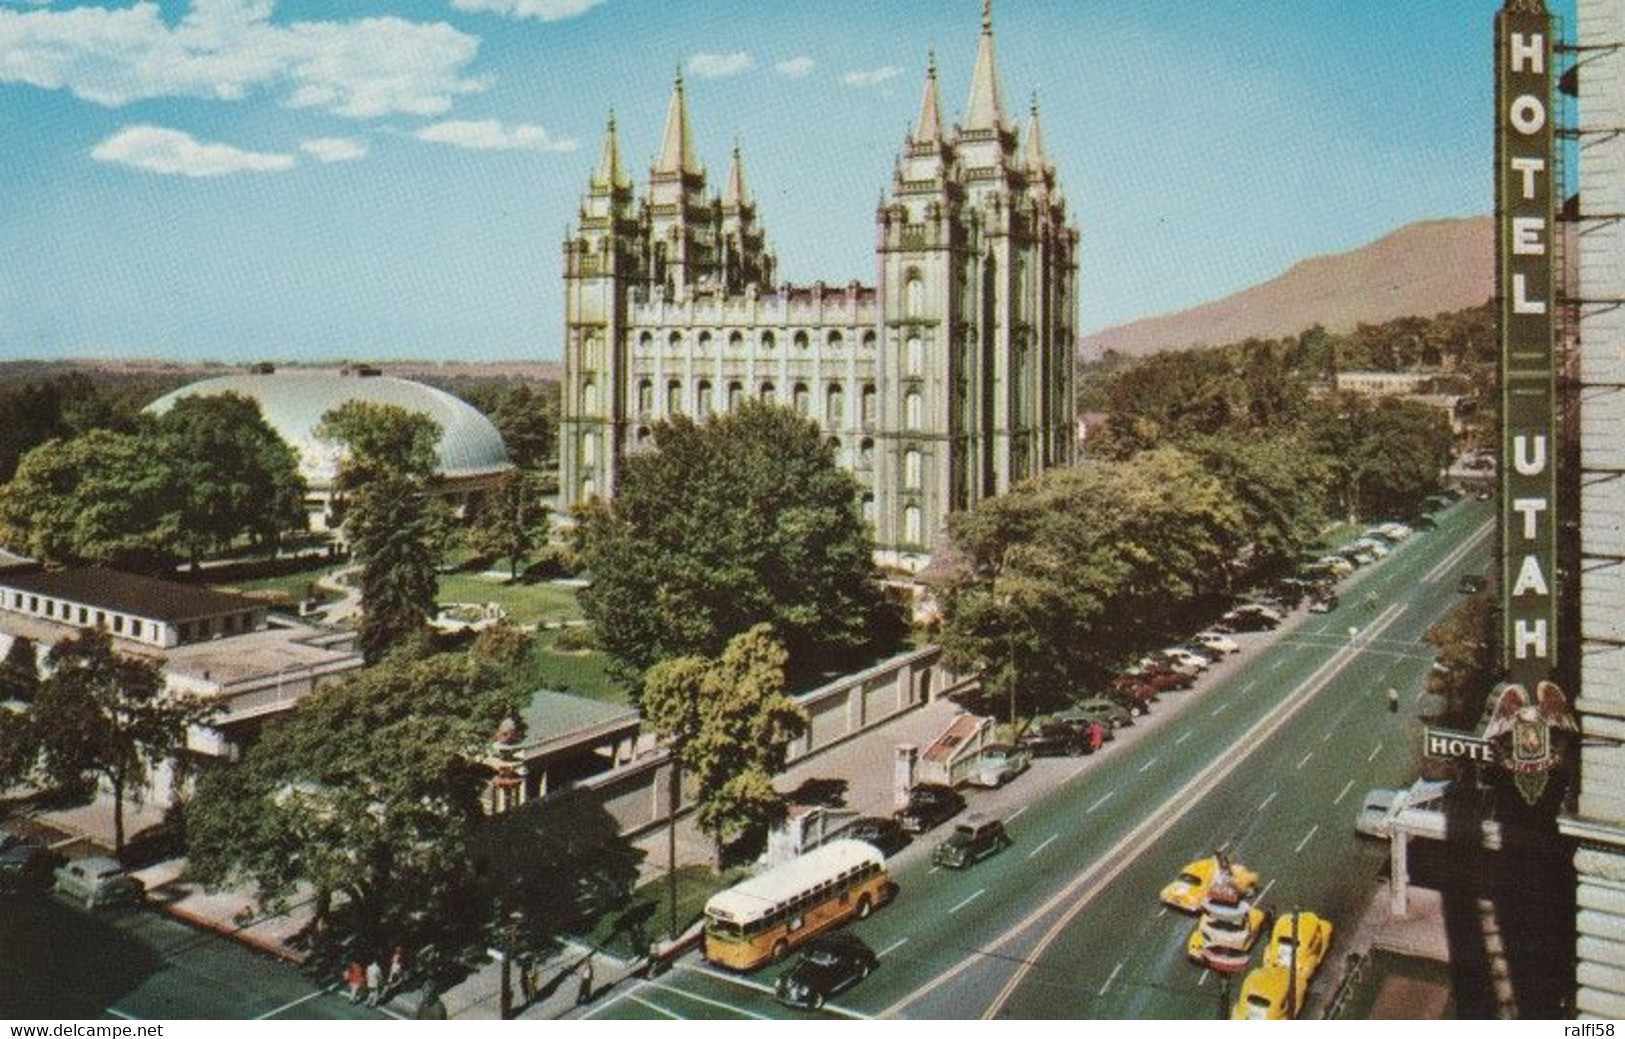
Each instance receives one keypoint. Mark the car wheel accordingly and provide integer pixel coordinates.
(865, 907)
(863, 972)
(781, 948)
(818, 1001)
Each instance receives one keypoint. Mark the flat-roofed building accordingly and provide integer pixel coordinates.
(147, 610)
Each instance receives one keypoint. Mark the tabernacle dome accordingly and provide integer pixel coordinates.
(472, 455)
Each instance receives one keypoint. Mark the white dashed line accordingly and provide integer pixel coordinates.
(1277, 665)
(1218, 710)
(302, 999)
(1374, 752)
(1266, 890)
(696, 997)
(1110, 978)
(1266, 802)
(893, 947)
(1203, 979)
(1306, 837)
(977, 894)
(1147, 766)
(1182, 739)
(1041, 847)
(1017, 812)
(1328, 737)
(657, 1009)
(1344, 792)
(1249, 685)
(1107, 797)
(1305, 759)
(119, 1013)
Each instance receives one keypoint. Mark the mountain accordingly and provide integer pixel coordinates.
(1421, 269)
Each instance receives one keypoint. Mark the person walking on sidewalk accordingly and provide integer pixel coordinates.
(375, 983)
(584, 981)
(397, 970)
(1393, 700)
(354, 977)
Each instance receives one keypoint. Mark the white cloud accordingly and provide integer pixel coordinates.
(492, 135)
(870, 77)
(226, 49)
(160, 150)
(719, 66)
(543, 10)
(795, 68)
(334, 149)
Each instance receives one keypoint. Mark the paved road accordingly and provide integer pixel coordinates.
(59, 961)
(1272, 756)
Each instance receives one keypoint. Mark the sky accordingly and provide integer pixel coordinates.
(304, 180)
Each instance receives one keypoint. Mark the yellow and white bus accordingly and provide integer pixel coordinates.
(763, 918)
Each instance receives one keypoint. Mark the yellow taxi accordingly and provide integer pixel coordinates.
(1224, 941)
(1308, 933)
(1190, 889)
(1263, 995)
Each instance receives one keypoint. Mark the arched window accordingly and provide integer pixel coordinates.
(675, 342)
(767, 342)
(834, 406)
(643, 434)
(913, 297)
(867, 415)
(801, 398)
(911, 469)
(801, 340)
(866, 451)
(912, 533)
(589, 450)
(833, 341)
(705, 342)
(588, 489)
(911, 410)
(703, 404)
(589, 397)
(869, 509)
(674, 397)
(646, 397)
(736, 396)
(768, 393)
(646, 342)
(869, 342)
(594, 353)
(736, 341)
(915, 356)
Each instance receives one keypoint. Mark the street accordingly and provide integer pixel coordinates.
(1271, 759)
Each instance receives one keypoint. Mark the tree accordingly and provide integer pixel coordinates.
(367, 792)
(393, 521)
(104, 498)
(19, 746)
(741, 520)
(236, 475)
(1280, 485)
(512, 523)
(728, 725)
(19, 672)
(528, 420)
(102, 714)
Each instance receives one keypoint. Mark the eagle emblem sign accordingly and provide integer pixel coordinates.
(1520, 730)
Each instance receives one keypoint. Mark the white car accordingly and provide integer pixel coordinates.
(1180, 657)
(1397, 531)
(1339, 566)
(1216, 640)
(1374, 546)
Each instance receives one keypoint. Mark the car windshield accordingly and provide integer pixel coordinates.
(1191, 879)
(1236, 926)
(822, 957)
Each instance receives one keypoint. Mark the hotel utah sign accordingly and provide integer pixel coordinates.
(1526, 198)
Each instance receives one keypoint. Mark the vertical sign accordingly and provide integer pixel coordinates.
(1525, 210)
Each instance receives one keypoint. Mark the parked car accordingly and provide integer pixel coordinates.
(1189, 890)
(974, 838)
(928, 805)
(1136, 695)
(1396, 531)
(1378, 805)
(1053, 740)
(1109, 713)
(1339, 566)
(1325, 602)
(1300, 938)
(1000, 763)
(25, 867)
(98, 881)
(1158, 676)
(1252, 617)
(886, 835)
(1216, 640)
(1223, 939)
(1263, 995)
(829, 964)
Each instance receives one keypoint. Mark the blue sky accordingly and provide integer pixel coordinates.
(322, 179)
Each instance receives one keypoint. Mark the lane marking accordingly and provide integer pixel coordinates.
(1111, 978)
(1266, 802)
(1343, 792)
(1183, 738)
(1374, 752)
(1249, 685)
(657, 1009)
(978, 893)
(1017, 812)
(893, 947)
(1306, 837)
(730, 979)
(115, 1011)
(1305, 760)
(1041, 847)
(1266, 890)
(1277, 665)
(302, 999)
(1106, 797)
(1219, 710)
(696, 997)
(1327, 738)
(1147, 766)
(1455, 557)
(1107, 867)
(1203, 979)
(389, 1013)
(934, 869)
(1162, 912)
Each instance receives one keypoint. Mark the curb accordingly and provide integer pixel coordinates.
(236, 934)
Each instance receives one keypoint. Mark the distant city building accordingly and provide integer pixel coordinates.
(1449, 393)
(1598, 824)
(944, 384)
(472, 456)
(211, 644)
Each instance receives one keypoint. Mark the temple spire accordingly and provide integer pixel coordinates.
(735, 195)
(610, 174)
(677, 146)
(985, 110)
(928, 128)
(1035, 159)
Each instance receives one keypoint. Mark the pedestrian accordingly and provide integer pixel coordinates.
(1097, 734)
(527, 977)
(397, 969)
(375, 983)
(1393, 700)
(354, 977)
(584, 981)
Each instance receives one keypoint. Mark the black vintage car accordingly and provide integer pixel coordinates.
(928, 805)
(829, 964)
(1054, 740)
(886, 835)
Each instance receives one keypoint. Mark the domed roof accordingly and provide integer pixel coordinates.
(294, 402)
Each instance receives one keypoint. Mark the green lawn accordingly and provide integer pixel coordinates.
(627, 933)
(525, 603)
(293, 586)
(583, 672)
